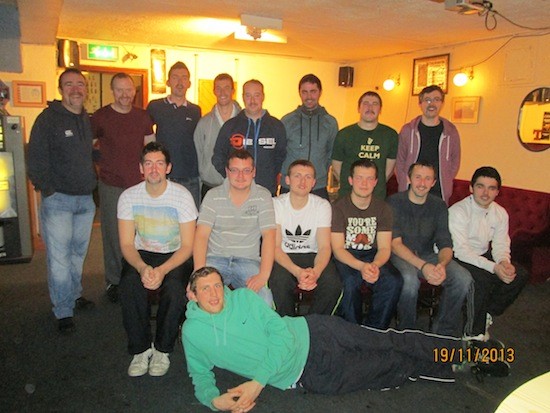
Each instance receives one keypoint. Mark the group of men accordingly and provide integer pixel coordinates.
(150, 192)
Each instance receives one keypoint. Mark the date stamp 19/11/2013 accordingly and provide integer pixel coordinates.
(473, 355)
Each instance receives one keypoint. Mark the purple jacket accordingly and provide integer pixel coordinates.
(449, 155)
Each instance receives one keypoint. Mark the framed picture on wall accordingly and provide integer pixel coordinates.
(432, 70)
(28, 93)
(465, 109)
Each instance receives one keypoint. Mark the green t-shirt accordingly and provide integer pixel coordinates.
(353, 143)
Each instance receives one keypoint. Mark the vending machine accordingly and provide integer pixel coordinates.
(15, 224)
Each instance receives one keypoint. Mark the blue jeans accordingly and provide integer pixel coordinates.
(66, 225)
(385, 293)
(193, 185)
(455, 288)
(236, 271)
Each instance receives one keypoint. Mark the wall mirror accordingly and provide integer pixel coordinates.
(534, 120)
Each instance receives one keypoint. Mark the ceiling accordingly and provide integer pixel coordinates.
(342, 31)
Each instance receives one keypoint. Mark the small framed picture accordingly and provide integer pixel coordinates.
(465, 109)
(432, 70)
(28, 93)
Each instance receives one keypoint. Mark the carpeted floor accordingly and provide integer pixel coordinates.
(41, 371)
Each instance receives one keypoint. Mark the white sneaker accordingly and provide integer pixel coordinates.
(140, 363)
(160, 363)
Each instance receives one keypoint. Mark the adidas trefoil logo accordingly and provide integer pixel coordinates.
(298, 236)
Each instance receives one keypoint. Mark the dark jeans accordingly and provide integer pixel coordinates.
(136, 309)
(283, 284)
(385, 293)
(344, 357)
(491, 294)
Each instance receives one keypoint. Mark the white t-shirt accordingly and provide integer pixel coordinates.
(157, 219)
(299, 227)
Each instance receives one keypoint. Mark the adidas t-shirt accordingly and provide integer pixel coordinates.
(299, 227)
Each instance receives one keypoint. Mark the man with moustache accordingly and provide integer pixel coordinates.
(361, 243)
(176, 119)
(121, 131)
(366, 139)
(209, 127)
(60, 166)
(420, 223)
(432, 139)
(310, 134)
(156, 222)
(256, 131)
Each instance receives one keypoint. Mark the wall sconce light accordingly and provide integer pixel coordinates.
(461, 78)
(391, 82)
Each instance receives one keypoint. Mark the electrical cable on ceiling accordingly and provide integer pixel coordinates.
(488, 12)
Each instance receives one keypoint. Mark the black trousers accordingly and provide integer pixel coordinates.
(491, 294)
(346, 357)
(136, 309)
(325, 296)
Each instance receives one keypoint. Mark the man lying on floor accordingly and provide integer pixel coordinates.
(237, 331)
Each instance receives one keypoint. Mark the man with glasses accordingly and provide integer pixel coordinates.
(366, 139)
(432, 139)
(233, 218)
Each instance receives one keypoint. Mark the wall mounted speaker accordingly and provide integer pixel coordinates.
(345, 76)
(68, 54)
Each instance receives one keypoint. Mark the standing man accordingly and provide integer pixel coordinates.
(60, 167)
(156, 222)
(420, 222)
(479, 227)
(121, 131)
(176, 119)
(302, 245)
(256, 131)
(310, 133)
(209, 127)
(366, 139)
(432, 139)
(361, 242)
(234, 217)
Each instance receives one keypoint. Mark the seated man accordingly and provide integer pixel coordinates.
(420, 222)
(233, 218)
(322, 354)
(156, 223)
(479, 227)
(361, 242)
(302, 245)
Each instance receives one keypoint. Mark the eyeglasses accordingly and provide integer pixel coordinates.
(236, 171)
(436, 99)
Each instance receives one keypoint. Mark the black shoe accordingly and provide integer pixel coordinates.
(493, 369)
(84, 304)
(112, 293)
(65, 325)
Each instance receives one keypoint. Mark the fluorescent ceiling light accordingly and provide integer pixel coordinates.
(267, 36)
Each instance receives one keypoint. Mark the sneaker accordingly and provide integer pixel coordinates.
(494, 369)
(65, 325)
(82, 303)
(112, 293)
(159, 363)
(140, 364)
(488, 323)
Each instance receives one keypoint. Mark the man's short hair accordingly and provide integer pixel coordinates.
(155, 147)
(239, 154)
(363, 163)
(201, 273)
(310, 78)
(256, 81)
(488, 172)
(67, 71)
(224, 76)
(120, 75)
(430, 89)
(422, 163)
(369, 93)
(178, 65)
(301, 162)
